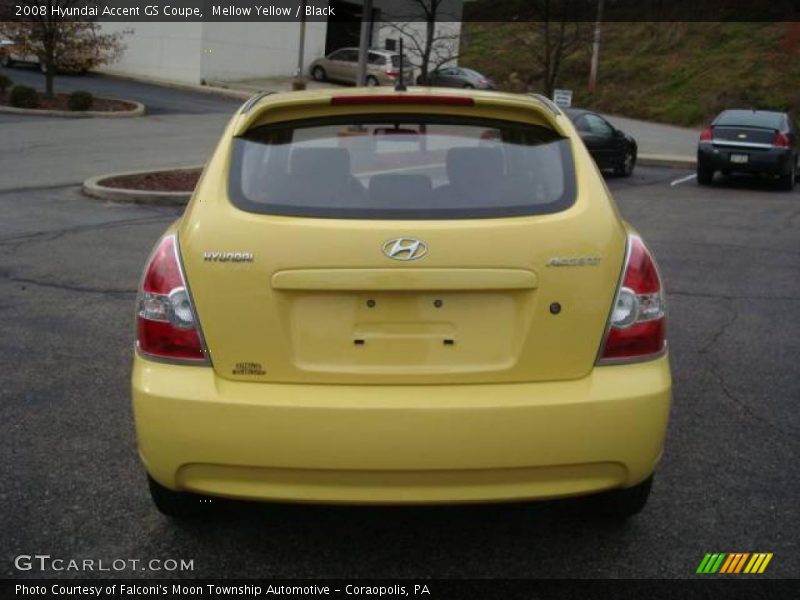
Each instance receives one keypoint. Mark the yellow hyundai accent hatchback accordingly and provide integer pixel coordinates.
(423, 296)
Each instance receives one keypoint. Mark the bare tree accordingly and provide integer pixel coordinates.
(60, 43)
(434, 44)
(551, 39)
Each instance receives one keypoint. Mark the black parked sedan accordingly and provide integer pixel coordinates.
(611, 148)
(749, 141)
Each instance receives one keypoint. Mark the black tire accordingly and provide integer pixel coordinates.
(624, 503)
(6, 61)
(468, 86)
(176, 504)
(705, 176)
(318, 74)
(625, 168)
(372, 81)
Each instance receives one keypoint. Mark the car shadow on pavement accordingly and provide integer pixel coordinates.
(429, 541)
(755, 183)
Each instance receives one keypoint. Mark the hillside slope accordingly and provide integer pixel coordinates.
(682, 73)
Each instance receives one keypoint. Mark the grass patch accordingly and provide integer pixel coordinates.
(681, 73)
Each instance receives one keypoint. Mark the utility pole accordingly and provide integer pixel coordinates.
(596, 46)
(363, 42)
(299, 82)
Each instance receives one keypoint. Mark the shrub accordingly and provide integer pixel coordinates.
(80, 101)
(23, 96)
(5, 83)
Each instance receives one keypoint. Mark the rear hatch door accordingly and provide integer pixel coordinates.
(405, 249)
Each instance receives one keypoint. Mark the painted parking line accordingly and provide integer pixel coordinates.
(683, 180)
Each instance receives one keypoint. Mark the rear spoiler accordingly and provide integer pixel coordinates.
(252, 101)
(548, 103)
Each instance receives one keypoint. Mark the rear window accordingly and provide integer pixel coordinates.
(402, 167)
(396, 61)
(749, 118)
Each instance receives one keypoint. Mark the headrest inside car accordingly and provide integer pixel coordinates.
(331, 164)
(467, 167)
(397, 189)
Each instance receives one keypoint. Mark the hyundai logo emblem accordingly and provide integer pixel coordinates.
(405, 248)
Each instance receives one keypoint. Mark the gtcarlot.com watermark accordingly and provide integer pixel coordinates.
(48, 563)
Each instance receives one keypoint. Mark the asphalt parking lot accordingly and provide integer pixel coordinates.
(160, 100)
(74, 488)
(179, 129)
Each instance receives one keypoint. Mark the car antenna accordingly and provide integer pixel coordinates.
(400, 86)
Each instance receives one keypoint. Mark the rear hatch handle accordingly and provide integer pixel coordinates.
(399, 279)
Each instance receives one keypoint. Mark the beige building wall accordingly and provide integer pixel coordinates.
(162, 51)
(196, 52)
(234, 51)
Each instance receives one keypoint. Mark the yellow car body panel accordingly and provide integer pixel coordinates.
(396, 444)
(512, 406)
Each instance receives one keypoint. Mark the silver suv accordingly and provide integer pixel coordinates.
(383, 67)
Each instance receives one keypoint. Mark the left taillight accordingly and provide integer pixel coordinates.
(637, 325)
(166, 322)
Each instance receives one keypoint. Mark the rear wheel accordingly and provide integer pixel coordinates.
(469, 86)
(318, 73)
(704, 175)
(624, 503)
(625, 168)
(175, 504)
(372, 81)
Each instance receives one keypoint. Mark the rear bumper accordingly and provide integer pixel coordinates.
(775, 161)
(400, 444)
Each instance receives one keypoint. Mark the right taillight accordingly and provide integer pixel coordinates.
(166, 322)
(706, 135)
(781, 140)
(637, 324)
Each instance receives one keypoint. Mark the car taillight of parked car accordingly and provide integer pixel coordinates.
(166, 322)
(781, 140)
(637, 325)
(706, 135)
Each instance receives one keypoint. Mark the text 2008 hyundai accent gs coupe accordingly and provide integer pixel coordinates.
(400, 297)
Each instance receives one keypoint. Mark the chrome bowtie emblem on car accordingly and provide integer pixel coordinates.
(742, 136)
(405, 248)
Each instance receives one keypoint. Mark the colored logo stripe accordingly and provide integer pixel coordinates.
(734, 563)
(710, 563)
(758, 563)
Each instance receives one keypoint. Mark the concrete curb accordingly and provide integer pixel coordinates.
(671, 161)
(92, 187)
(187, 87)
(138, 111)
